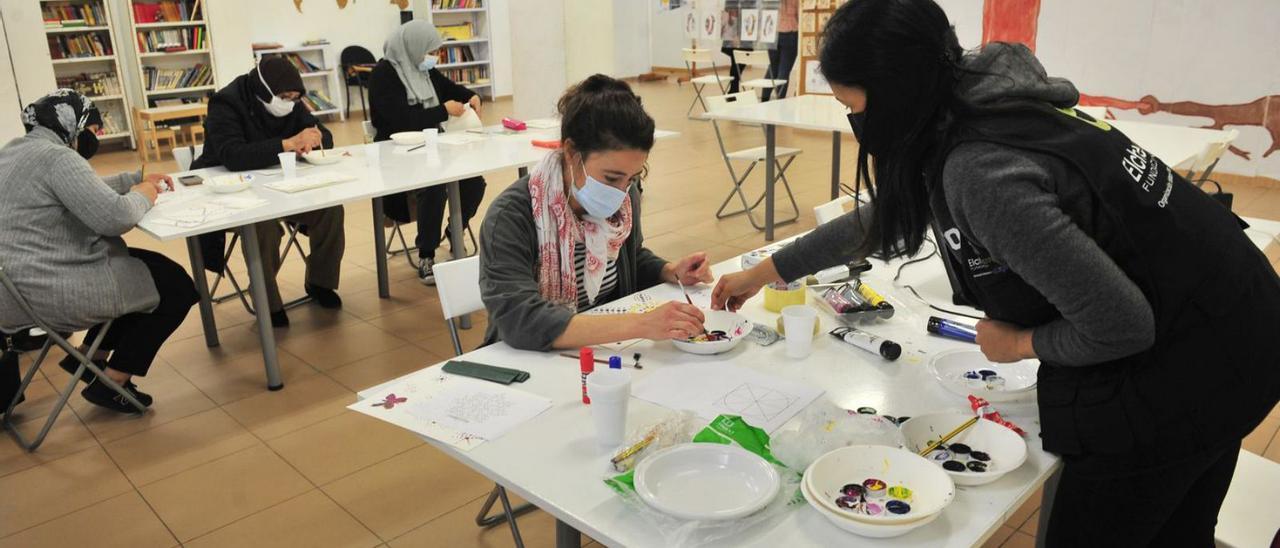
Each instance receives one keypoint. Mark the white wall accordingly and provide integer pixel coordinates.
(10, 106)
(631, 37)
(537, 56)
(667, 38)
(588, 40)
(32, 69)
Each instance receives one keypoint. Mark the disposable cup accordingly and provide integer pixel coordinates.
(610, 392)
(799, 321)
(289, 164)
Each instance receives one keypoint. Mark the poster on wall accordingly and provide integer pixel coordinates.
(750, 25)
(814, 82)
(808, 46)
(822, 20)
(769, 26)
(691, 25)
(807, 22)
(709, 25)
(729, 25)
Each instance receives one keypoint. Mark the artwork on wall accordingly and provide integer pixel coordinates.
(750, 25)
(342, 4)
(769, 26)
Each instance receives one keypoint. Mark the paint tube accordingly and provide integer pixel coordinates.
(952, 330)
(873, 298)
(887, 349)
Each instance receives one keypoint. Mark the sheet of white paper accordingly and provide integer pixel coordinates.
(467, 121)
(460, 411)
(187, 215)
(272, 171)
(709, 390)
(543, 123)
(460, 138)
(639, 303)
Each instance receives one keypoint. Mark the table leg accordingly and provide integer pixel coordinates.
(567, 536)
(835, 165)
(456, 239)
(202, 287)
(770, 139)
(380, 249)
(258, 290)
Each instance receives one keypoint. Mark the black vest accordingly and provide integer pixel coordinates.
(1214, 370)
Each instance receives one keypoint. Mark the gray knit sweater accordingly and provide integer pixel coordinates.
(60, 228)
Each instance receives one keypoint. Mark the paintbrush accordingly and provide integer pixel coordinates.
(690, 301)
(947, 438)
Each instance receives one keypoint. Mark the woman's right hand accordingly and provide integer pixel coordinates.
(673, 320)
(735, 289)
(148, 189)
(455, 108)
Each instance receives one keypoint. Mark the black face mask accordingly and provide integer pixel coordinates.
(87, 144)
(858, 121)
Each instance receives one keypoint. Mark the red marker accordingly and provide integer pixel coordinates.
(586, 361)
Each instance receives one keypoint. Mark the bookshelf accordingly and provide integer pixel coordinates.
(173, 47)
(466, 57)
(85, 57)
(317, 67)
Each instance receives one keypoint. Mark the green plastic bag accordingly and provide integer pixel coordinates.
(726, 430)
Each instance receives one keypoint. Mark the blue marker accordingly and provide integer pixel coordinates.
(952, 330)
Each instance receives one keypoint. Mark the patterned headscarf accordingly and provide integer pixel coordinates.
(65, 112)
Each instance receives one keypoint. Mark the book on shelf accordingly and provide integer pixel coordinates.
(459, 31)
(260, 46)
(304, 66)
(68, 15)
(456, 4)
(110, 122)
(93, 44)
(93, 85)
(316, 42)
(316, 101)
(158, 79)
(172, 40)
(468, 75)
(167, 11)
(456, 54)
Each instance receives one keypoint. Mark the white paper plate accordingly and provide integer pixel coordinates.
(408, 138)
(1005, 447)
(322, 158)
(706, 481)
(227, 184)
(871, 530)
(735, 325)
(949, 368)
(932, 489)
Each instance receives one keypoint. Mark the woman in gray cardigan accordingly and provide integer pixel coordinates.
(60, 228)
(567, 237)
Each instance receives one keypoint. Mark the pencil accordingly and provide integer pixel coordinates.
(947, 438)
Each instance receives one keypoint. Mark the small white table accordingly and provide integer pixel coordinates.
(1174, 145)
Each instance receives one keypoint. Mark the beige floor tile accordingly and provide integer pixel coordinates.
(383, 367)
(179, 446)
(306, 521)
(54, 489)
(332, 348)
(1020, 540)
(1273, 450)
(339, 446)
(1258, 440)
(175, 398)
(67, 436)
(234, 342)
(415, 323)
(1020, 515)
(471, 339)
(395, 496)
(272, 414)
(458, 528)
(124, 521)
(366, 305)
(41, 397)
(1032, 524)
(1002, 534)
(216, 493)
(242, 376)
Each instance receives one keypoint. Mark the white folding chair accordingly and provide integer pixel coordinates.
(55, 338)
(185, 155)
(1248, 514)
(755, 155)
(757, 59)
(1203, 165)
(693, 57)
(828, 212)
(458, 283)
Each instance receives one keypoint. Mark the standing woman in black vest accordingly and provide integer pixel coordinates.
(1152, 314)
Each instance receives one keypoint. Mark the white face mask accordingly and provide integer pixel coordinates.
(279, 106)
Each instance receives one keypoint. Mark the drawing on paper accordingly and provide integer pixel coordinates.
(755, 402)
(390, 401)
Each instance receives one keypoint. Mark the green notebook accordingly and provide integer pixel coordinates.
(500, 375)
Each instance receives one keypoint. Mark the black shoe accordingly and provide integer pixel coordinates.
(102, 395)
(326, 298)
(425, 273)
(279, 319)
(70, 365)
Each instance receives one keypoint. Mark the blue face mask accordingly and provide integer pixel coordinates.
(428, 63)
(600, 200)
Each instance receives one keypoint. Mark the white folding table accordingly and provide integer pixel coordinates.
(1174, 145)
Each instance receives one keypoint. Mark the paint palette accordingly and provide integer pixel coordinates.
(892, 486)
(965, 372)
(724, 331)
(981, 454)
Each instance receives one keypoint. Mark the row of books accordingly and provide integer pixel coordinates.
(456, 54)
(94, 44)
(95, 84)
(456, 4)
(166, 11)
(68, 15)
(172, 40)
(468, 75)
(158, 79)
(304, 66)
(316, 101)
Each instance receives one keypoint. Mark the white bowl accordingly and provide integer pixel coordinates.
(408, 138)
(322, 158)
(227, 184)
(706, 481)
(950, 368)
(932, 489)
(861, 528)
(735, 325)
(1005, 447)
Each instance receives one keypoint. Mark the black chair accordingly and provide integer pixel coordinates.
(350, 58)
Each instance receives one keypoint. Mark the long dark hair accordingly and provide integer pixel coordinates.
(905, 55)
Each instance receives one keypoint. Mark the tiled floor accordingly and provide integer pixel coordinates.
(220, 461)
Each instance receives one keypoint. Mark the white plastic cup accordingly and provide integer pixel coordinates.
(372, 154)
(798, 321)
(431, 136)
(289, 164)
(610, 392)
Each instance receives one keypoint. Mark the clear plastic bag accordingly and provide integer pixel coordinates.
(824, 427)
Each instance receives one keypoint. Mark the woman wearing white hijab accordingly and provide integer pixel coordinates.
(407, 93)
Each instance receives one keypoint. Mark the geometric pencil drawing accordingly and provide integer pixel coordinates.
(754, 401)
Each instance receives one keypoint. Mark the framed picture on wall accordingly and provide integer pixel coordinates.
(824, 4)
(807, 4)
(768, 26)
(822, 20)
(750, 25)
(709, 26)
(814, 82)
(691, 25)
(808, 23)
(809, 46)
